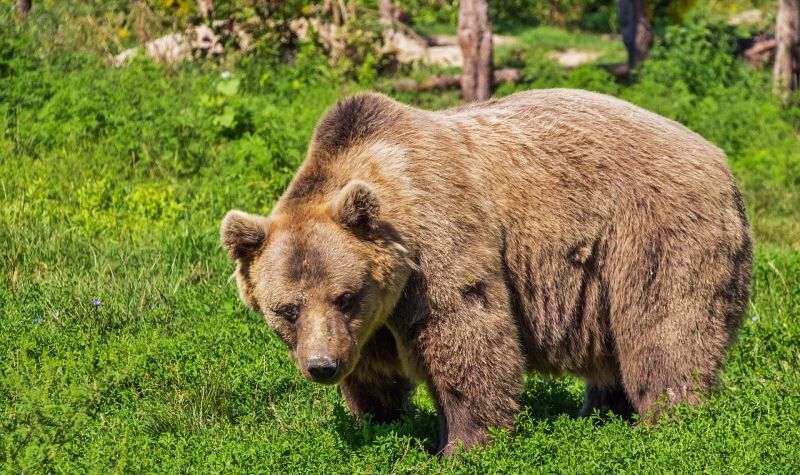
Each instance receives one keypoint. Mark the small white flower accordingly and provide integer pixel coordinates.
(755, 318)
(225, 75)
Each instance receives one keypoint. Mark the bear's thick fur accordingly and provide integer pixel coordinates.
(554, 230)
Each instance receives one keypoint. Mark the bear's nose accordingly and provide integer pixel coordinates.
(322, 368)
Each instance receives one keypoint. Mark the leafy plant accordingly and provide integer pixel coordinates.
(125, 348)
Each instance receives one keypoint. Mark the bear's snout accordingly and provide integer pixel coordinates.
(322, 368)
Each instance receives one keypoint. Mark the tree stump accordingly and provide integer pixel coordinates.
(636, 32)
(475, 40)
(787, 35)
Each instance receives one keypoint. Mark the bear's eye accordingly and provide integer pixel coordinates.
(344, 302)
(289, 312)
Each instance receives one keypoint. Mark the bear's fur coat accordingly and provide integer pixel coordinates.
(552, 230)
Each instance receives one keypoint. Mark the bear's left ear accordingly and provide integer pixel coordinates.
(356, 207)
(242, 234)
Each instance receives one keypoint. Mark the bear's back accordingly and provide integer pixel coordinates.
(563, 121)
(562, 147)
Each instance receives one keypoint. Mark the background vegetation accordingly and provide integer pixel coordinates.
(123, 344)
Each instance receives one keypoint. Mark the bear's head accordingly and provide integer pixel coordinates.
(324, 274)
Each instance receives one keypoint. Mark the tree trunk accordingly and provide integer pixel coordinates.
(785, 72)
(206, 8)
(636, 32)
(388, 12)
(475, 40)
(23, 7)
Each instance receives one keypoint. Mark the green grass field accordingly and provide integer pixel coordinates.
(124, 346)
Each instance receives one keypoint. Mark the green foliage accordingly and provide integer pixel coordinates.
(125, 347)
(427, 14)
(666, 12)
(102, 210)
(697, 56)
(592, 15)
(534, 43)
(600, 14)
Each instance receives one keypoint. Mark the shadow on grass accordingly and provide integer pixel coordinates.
(548, 399)
(544, 400)
(417, 424)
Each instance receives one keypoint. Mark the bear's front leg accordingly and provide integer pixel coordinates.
(470, 351)
(377, 385)
(384, 399)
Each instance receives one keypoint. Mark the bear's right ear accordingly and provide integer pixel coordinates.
(242, 234)
(356, 207)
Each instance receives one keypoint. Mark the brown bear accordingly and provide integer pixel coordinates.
(558, 230)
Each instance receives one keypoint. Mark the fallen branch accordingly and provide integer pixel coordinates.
(453, 80)
(757, 53)
(618, 70)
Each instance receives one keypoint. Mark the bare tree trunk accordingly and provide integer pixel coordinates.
(206, 8)
(475, 40)
(335, 10)
(23, 7)
(386, 11)
(785, 72)
(636, 32)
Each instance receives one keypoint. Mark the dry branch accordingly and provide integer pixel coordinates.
(758, 54)
(444, 81)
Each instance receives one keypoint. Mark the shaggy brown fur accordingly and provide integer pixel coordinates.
(554, 230)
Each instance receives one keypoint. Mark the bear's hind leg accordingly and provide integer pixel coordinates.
(674, 307)
(674, 353)
(657, 377)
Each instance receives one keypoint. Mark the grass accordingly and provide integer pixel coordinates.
(540, 41)
(125, 347)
